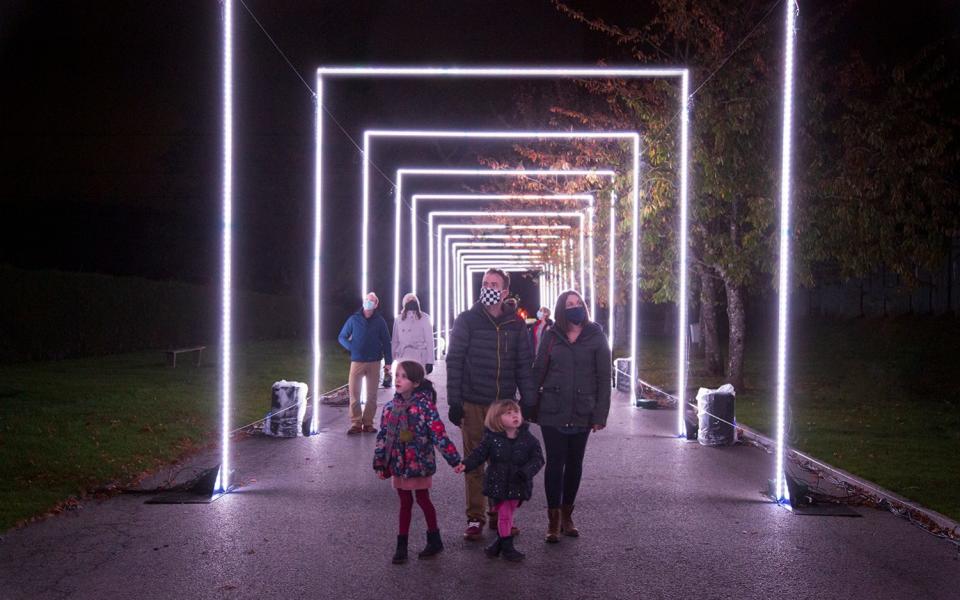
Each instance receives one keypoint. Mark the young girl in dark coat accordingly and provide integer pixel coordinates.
(409, 429)
(514, 457)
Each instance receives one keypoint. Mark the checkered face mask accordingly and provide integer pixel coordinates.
(489, 296)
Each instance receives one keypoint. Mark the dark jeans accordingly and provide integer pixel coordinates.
(564, 465)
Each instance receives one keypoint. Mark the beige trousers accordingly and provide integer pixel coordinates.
(358, 372)
(472, 429)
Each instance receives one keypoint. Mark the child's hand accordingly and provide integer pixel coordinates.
(381, 474)
(460, 468)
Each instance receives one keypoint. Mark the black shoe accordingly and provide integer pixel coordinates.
(509, 552)
(400, 556)
(434, 545)
(493, 549)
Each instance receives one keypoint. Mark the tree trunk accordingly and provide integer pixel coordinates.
(708, 322)
(738, 331)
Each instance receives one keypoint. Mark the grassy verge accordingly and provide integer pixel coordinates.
(877, 397)
(70, 426)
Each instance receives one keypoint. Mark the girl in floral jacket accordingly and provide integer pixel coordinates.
(409, 429)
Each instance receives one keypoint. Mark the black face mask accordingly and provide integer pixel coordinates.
(412, 305)
(576, 314)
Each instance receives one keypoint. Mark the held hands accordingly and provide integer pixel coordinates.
(596, 427)
(381, 473)
(460, 468)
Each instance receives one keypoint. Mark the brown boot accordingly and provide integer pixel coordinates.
(553, 526)
(566, 521)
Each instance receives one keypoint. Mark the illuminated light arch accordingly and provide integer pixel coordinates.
(516, 173)
(628, 136)
(589, 209)
(444, 239)
(466, 213)
(223, 478)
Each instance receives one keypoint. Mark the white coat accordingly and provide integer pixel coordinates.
(413, 338)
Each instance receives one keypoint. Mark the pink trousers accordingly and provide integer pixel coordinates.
(505, 516)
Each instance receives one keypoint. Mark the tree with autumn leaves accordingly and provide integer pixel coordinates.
(875, 170)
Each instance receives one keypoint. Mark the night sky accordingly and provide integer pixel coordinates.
(110, 151)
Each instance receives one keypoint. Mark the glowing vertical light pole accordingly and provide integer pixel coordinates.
(784, 280)
(682, 299)
(318, 230)
(593, 266)
(583, 260)
(634, 308)
(611, 270)
(223, 478)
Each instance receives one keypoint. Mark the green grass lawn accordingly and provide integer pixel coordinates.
(877, 397)
(70, 426)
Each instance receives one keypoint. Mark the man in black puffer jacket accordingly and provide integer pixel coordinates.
(489, 359)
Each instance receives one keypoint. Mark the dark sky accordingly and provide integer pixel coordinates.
(110, 132)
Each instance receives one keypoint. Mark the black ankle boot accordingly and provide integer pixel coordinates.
(434, 545)
(509, 552)
(493, 549)
(400, 556)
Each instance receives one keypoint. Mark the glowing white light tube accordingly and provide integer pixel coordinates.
(464, 72)
(370, 135)
(611, 271)
(436, 172)
(226, 335)
(560, 72)
(682, 295)
(784, 278)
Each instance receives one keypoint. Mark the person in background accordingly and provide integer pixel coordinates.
(366, 338)
(573, 368)
(537, 329)
(413, 334)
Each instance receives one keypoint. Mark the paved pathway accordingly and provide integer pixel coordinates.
(661, 518)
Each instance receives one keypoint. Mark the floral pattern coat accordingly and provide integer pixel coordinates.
(413, 457)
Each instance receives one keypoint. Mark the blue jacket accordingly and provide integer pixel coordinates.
(367, 340)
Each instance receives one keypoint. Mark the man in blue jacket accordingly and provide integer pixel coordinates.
(365, 336)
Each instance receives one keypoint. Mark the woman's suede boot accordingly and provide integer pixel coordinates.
(566, 521)
(508, 551)
(400, 556)
(553, 526)
(434, 545)
(493, 549)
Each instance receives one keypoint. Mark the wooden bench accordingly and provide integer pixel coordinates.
(172, 354)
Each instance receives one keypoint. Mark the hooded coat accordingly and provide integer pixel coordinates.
(512, 463)
(413, 338)
(575, 388)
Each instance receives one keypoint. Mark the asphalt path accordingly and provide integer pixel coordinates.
(660, 518)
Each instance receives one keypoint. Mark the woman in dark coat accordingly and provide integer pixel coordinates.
(513, 458)
(573, 368)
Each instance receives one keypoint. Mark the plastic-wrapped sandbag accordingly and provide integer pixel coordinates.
(288, 407)
(716, 410)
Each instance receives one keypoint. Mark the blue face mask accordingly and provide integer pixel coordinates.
(576, 314)
(369, 305)
(540, 314)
